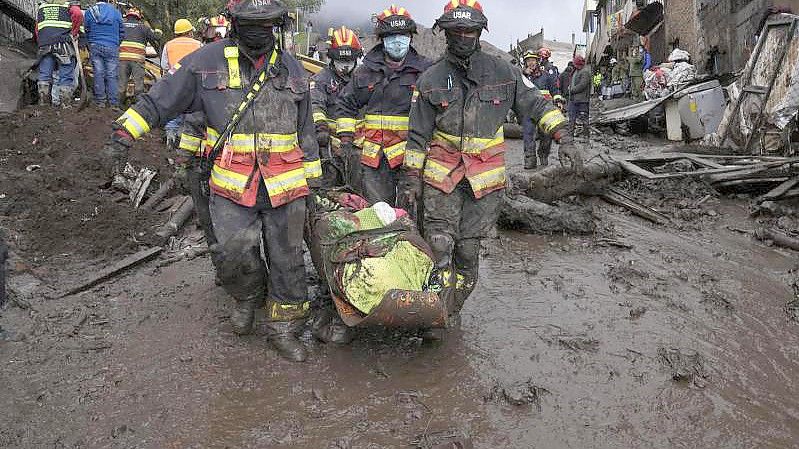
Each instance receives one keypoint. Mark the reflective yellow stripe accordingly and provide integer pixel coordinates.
(133, 45)
(435, 171)
(134, 123)
(313, 169)
(190, 143)
(545, 93)
(136, 56)
(395, 151)
(386, 122)
(489, 179)
(53, 24)
(319, 117)
(346, 125)
(414, 159)
(471, 145)
(286, 182)
(551, 120)
(371, 149)
(229, 180)
(557, 97)
(234, 73)
(245, 143)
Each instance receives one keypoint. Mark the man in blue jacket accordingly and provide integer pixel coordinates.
(104, 29)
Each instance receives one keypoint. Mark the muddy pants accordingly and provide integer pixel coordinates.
(535, 153)
(637, 88)
(196, 179)
(578, 118)
(128, 69)
(243, 273)
(454, 224)
(380, 184)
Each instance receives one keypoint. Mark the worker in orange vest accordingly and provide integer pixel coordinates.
(175, 50)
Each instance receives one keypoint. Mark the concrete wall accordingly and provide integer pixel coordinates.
(681, 26)
(9, 30)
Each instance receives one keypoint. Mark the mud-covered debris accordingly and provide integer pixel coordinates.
(792, 308)
(448, 439)
(341, 443)
(686, 366)
(578, 344)
(518, 394)
(637, 313)
(717, 300)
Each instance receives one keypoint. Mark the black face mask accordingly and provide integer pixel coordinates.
(462, 47)
(256, 38)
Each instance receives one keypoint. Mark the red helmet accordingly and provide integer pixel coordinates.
(133, 12)
(544, 53)
(345, 45)
(579, 62)
(464, 14)
(395, 20)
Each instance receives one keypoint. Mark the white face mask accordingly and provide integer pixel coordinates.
(344, 68)
(397, 46)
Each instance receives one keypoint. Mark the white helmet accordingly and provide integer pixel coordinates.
(613, 61)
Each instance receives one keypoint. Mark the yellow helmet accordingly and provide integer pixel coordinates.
(183, 26)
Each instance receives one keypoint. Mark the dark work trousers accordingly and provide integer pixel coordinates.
(537, 145)
(240, 231)
(380, 184)
(464, 221)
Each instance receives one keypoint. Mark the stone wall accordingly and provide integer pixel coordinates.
(9, 30)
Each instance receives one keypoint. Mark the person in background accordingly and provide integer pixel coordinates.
(579, 98)
(565, 79)
(57, 23)
(175, 50)
(104, 31)
(636, 73)
(133, 53)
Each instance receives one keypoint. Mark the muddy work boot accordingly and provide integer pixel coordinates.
(327, 326)
(283, 336)
(45, 94)
(242, 317)
(530, 161)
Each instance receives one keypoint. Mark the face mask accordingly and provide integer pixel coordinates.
(397, 46)
(462, 47)
(344, 68)
(258, 39)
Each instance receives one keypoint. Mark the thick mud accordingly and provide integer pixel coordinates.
(639, 336)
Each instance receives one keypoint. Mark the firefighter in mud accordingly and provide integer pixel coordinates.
(382, 89)
(456, 146)
(133, 53)
(547, 82)
(257, 105)
(344, 52)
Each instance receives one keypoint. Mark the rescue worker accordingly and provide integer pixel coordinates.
(132, 53)
(548, 84)
(382, 88)
(636, 63)
(104, 31)
(57, 23)
(344, 51)
(174, 51)
(456, 146)
(264, 170)
(548, 66)
(580, 98)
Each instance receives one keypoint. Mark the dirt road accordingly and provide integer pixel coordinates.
(640, 336)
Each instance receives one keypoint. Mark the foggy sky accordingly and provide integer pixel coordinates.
(508, 20)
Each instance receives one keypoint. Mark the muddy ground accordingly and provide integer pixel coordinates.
(642, 335)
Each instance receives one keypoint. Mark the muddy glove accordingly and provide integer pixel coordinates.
(409, 191)
(323, 136)
(568, 153)
(183, 168)
(352, 162)
(115, 152)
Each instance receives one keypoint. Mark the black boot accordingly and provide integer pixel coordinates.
(283, 336)
(242, 317)
(328, 327)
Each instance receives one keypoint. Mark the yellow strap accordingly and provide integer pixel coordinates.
(234, 72)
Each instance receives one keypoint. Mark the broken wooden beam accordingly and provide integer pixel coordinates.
(520, 213)
(177, 220)
(557, 182)
(779, 191)
(113, 270)
(158, 196)
(778, 238)
(617, 198)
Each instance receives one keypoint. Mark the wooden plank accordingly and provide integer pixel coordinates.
(617, 198)
(108, 273)
(636, 170)
(158, 196)
(748, 181)
(780, 190)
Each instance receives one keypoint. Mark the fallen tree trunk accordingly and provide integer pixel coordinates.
(556, 182)
(520, 213)
(178, 219)
(778, 238)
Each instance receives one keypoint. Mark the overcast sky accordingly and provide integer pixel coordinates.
(508, 20)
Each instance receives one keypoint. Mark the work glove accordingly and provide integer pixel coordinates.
(314, 183)
(115, 152)
(183, 168)
(323, 136)
(568, 153)
(409, 191)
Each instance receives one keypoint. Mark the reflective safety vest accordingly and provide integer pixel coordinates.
(178, 48)
(53, 23)
(380, 134)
